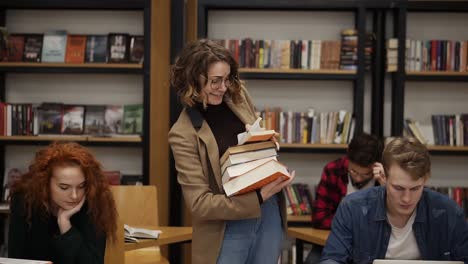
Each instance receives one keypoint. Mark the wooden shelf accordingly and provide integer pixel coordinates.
(83, 139)
(255, 70)
(444, 76)
(74, 4)
(254, 73)
(448, 150)
(50, 67)
(438, 73)
(299, 147)
(299, 218)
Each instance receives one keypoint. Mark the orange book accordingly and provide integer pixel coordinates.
(76, 45)
(256, 178)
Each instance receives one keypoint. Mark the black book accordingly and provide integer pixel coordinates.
(33, 48)
(137, 49)
(96, 49)
(118, 47)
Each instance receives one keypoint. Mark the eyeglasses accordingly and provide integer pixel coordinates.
(216, 83)
(364, 175)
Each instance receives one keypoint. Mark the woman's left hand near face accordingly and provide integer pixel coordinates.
(64, 215)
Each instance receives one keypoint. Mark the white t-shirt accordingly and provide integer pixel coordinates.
(402, 244)
(352, 189)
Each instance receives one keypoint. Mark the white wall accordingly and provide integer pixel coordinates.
(298, 95)
(76, 88)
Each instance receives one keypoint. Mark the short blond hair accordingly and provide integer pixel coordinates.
(410, 155)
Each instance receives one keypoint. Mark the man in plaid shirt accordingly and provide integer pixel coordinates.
(359, 169)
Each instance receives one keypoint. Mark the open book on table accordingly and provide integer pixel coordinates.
(133, 233)
(22, 261)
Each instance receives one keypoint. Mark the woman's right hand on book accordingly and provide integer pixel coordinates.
(275, 186)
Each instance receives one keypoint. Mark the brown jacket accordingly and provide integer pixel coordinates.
(199, 174)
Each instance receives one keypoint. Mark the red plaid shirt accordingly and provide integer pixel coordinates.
(331, 189)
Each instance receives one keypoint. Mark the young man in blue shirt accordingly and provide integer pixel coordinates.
(401, 220)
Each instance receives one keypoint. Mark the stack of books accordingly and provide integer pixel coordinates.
(252, 164)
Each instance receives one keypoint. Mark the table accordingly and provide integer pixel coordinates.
(307, 234)
(169, 235)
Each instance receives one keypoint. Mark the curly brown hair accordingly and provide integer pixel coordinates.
(34, 185)
(193, 61)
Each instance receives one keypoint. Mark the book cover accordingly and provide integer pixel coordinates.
(54, 46)
(255, 133)
(73, 119)
(76, 45)
(94, 119)
(131, 179)
(32, 48)
(133, 119)
(247, 148)
(137, 49)
(113, 119)
(247, 156)
(113, 177)
(15, 47)
(3, 44)
(256, 178)
(239, 169)
(96, 49)
(11, 176)
(118, 47)
(50, 118)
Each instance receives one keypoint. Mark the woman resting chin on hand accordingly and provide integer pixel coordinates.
(62, 210)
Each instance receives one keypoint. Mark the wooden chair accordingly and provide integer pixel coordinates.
(136, 206)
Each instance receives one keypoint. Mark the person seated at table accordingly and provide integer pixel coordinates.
(62, 209)
(401, 220)
(358, 169)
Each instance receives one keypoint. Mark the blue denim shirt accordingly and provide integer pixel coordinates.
(360, 230)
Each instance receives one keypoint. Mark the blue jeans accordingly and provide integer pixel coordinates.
(255, 240)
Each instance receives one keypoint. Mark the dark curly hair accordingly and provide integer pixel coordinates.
(365, 149)
(193, 61)
(34, 185)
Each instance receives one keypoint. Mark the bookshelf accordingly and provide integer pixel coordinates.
(21, 70)
(25, 67)
(147, 154)
(404, 82)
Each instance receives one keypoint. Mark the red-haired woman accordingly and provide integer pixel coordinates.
(62, 210)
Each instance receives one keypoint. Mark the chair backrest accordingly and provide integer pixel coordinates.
(136, 205)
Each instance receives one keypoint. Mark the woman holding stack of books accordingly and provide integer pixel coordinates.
(246, 228)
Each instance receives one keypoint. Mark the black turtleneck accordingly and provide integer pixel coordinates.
(224, 124)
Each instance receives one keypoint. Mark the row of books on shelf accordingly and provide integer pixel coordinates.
(448, 130)
(60, 47)
(114, 178)
(310, 127)
(19, 119)
(299, 54)
(458, 194)
(299, 199)
(430, 55)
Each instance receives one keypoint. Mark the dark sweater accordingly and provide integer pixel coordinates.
(224, 124)
(43, 241)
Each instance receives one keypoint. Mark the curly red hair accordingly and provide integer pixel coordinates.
(34, 185)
